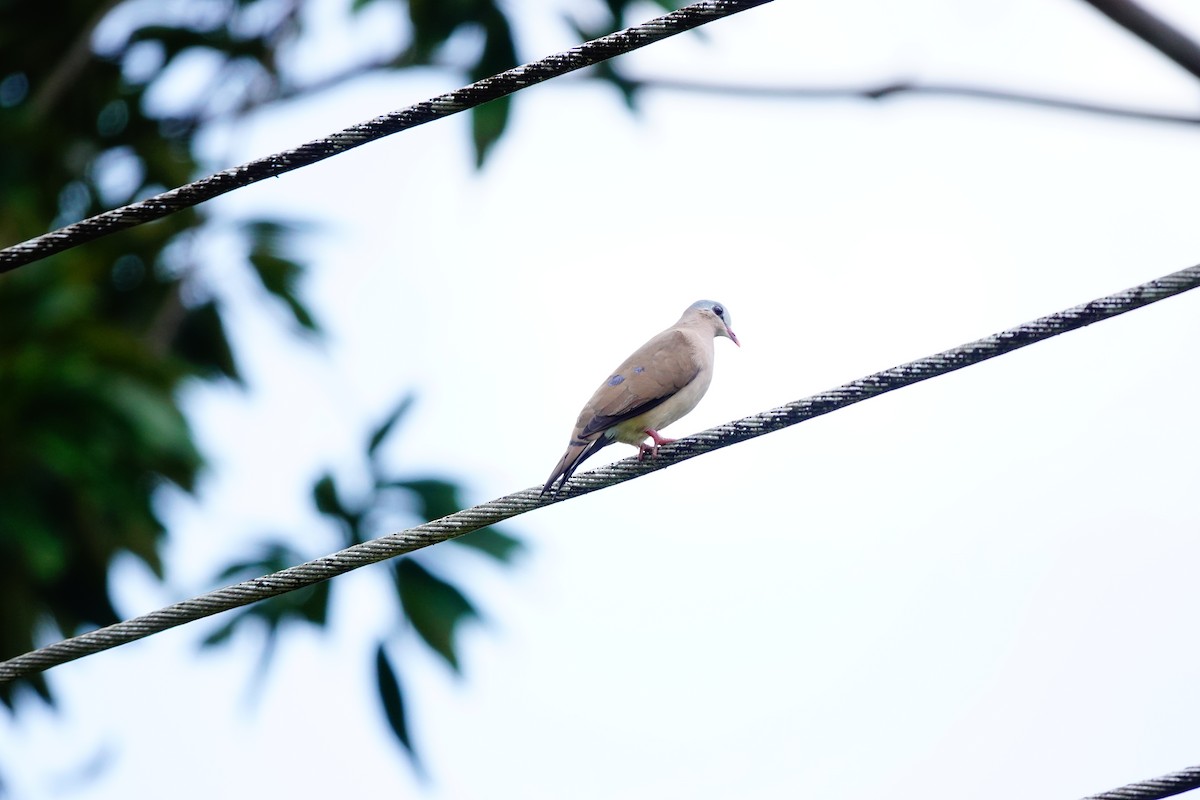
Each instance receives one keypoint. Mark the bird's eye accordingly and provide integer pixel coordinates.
(720, 312)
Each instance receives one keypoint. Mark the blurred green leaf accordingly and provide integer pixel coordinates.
(604, 70)
(492, 542)
(271, 235)
(300, 313)
(392, 699)
(200, 338)
(274, 271)
(433, 21)
(435, 497)
(434, 607)
(385, 428)
(223, 633)
(489, 120)
(272, 557)
(487, 126)
(628, 89)
(278, 276)
(329, 502)
(309, 606)
(278, 273)
(151, 418)
(325, 496)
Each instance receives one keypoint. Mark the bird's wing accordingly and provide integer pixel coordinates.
(648, 378)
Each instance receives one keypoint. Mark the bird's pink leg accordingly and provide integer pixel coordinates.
(658, 438)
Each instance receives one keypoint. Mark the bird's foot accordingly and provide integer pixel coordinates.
(652, 449)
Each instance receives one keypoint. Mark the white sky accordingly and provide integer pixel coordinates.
(979, 587)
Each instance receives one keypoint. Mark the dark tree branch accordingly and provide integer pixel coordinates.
(1159, 34)
(877, 92)
(887, 90)
(1162, 36)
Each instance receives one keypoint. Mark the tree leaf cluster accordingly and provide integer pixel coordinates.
(433, 605)
(97, 343)
(101, 104)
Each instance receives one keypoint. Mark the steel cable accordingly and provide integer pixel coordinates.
(511, 505)
(1154, 788)
(478, 93)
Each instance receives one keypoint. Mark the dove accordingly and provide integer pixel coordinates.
(662, 381)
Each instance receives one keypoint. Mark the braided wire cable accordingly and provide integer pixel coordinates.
(478, 93)
(1154, 788)
(489, 513)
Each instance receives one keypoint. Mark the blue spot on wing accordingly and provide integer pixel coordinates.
(638, 370)
(616, 380)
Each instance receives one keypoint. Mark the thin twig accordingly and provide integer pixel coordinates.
(895, 88)
(878, 91)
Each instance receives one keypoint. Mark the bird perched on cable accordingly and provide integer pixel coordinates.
(662, 381)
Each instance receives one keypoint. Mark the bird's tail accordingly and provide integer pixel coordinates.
(577, 452)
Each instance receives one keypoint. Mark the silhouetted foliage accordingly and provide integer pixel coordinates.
(97, 342)
(433, 606)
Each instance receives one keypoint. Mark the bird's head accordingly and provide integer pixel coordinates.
(717, 315)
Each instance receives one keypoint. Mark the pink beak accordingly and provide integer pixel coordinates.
(732, 335)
